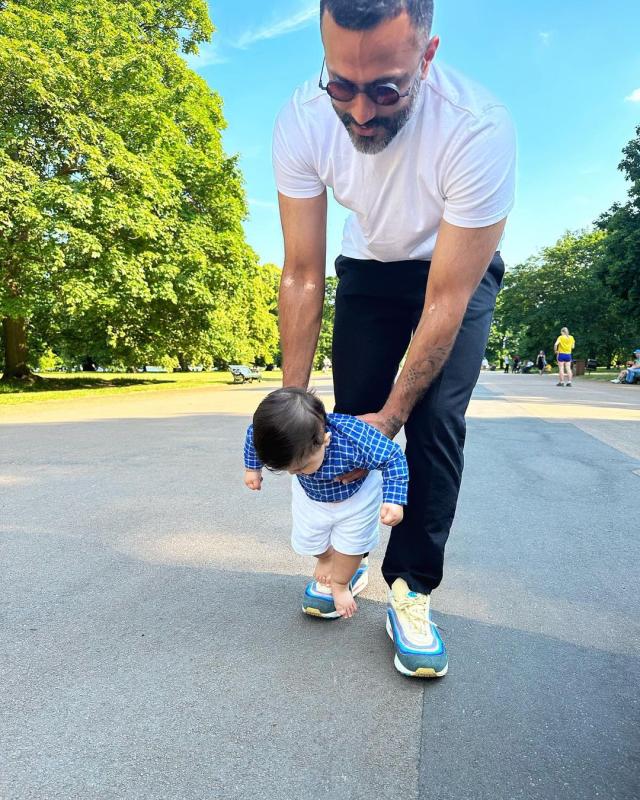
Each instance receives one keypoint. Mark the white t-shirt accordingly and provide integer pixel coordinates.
(453, 160)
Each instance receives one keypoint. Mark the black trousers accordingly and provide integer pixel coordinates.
(378, 306)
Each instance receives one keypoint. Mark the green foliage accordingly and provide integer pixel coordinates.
(120, 214)
(49, 361)
(620, 263)
(561, 286)
(328, 315)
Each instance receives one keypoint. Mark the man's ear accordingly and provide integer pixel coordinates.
(327, 438)
(429, 55)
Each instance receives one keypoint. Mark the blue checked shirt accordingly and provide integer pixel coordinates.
(354, 444)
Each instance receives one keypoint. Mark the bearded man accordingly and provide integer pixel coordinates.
(425, 160)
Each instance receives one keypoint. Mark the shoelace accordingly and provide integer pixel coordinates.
(416, 610)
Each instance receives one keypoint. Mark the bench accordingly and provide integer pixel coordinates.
(592, 365)
(242, 373)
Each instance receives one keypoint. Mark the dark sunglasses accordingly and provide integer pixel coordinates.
(382, 94)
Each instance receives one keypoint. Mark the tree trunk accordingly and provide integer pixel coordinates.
(15, 349)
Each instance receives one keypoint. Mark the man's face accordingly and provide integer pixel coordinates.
(392, 52)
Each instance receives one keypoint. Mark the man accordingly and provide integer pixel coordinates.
(631, 373)
(425, 160)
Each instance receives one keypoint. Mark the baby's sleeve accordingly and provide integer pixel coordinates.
(251, 460)
(376, 451)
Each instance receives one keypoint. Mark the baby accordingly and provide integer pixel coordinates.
(336, 522)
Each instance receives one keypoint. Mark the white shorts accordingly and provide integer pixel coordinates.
(351, 526)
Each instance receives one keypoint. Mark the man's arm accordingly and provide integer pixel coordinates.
(460, 260)
(304, 228)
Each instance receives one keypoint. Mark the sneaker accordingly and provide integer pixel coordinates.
(318, 600)
(420, 652)
(615, 380)
(559, 383)
(568, 383)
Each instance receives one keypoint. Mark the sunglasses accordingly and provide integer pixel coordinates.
(382, 94)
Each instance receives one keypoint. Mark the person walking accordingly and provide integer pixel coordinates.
(563, 348)
(541, 361)
(425, 160)
(507, 361)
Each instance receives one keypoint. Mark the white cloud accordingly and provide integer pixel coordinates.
(634, 97)
(262, 203)
(545, 37)
(279, 27)
(209, 54)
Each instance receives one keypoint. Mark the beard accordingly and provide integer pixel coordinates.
(389, 126)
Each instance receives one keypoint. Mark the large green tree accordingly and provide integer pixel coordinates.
(620, 262)
(120, 214)
(325, 339)
(561, 286)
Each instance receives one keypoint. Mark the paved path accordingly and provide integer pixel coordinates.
(152, 648)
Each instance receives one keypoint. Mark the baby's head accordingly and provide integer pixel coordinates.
(289, 431)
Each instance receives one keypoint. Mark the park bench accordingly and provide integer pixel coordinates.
(592, 365)
(153, 368)
(242, 373)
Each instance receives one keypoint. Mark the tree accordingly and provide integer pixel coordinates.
(325, 339)
(560, 286)
(619, 265)
(120, 215)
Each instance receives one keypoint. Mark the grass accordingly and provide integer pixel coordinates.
(60, 385)
(602, 375)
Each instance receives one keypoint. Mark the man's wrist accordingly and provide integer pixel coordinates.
(296, 378)
(392, 419)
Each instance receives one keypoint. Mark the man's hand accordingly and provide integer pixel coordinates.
(349, 477)
(391, 514)
(253, 479)
(387, 425)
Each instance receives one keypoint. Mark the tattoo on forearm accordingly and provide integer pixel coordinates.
(393, 424)
(416, 379)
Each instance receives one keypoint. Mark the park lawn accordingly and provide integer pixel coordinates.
(602, 375)
(62, 386)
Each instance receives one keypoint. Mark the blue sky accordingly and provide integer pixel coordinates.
(569, 71)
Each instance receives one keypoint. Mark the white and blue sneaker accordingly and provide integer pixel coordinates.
(318, 600)
(420, 652)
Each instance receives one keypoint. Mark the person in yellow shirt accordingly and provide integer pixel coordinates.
(563, 347)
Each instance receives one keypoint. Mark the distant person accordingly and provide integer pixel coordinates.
(631, 372)
(336, 522)
(326, 364)
(563, 348)
(541, 362)
(516, 364)
(507, 361)
(527, 366)
(485, 363)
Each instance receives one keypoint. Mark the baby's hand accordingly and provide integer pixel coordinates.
(391, 514)
(253, 479)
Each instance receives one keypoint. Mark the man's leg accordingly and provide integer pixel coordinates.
(435, 434)
(375, 304)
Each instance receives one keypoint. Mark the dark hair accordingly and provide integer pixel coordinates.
(289, 424)
(360, 15)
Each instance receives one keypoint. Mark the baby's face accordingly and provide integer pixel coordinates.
(313, 462)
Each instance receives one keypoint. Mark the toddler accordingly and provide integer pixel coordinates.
(336, 522)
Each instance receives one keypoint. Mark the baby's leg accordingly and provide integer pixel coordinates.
(322, 572)
(343, 568)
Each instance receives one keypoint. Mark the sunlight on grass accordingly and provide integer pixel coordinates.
(56, 385)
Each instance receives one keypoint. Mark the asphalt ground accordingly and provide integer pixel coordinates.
(153, 646)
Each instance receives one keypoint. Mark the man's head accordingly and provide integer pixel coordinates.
(289, 431)
(372, 42)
